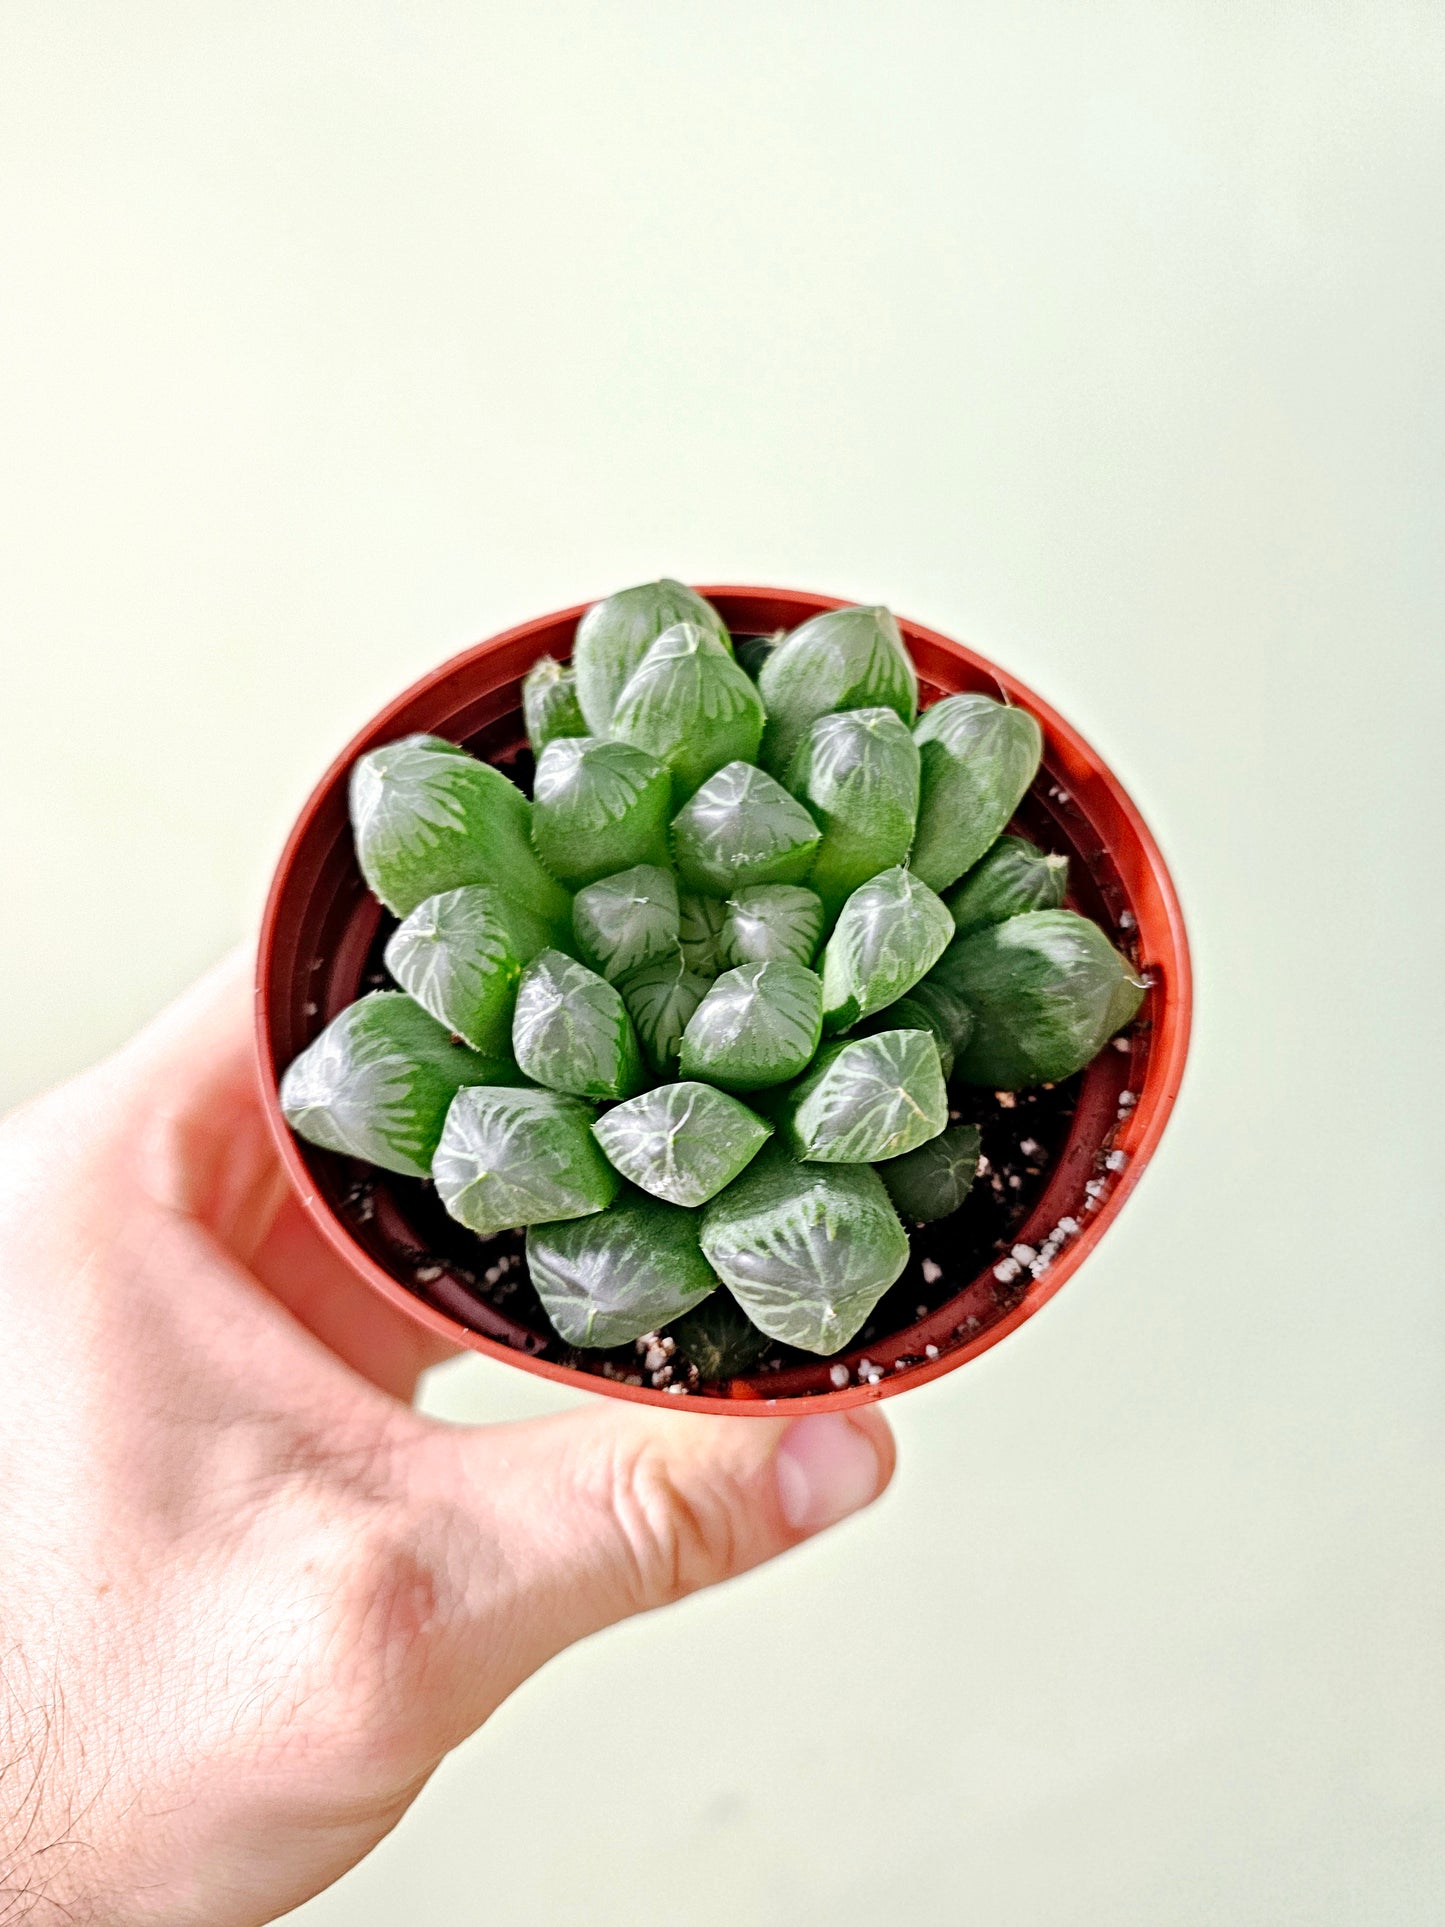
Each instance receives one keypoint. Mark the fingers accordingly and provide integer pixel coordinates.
(616, 1510)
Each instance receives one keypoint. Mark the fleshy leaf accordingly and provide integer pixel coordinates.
(378, 1081)
(614, 636)
(608, 1279)
(516, 1157)
(740, 828)
(599, 807)
(891, 932)
(681, 1142)
(627, 920)
(858, 774)
(719, 1338)
(572, 1032)
(867, 1099)
(933, 1181)
(978, 758)
(427, 817)
(661, 998)
(1047, 990)
(758, 1025)
(842, 659)
(700, 923)
(753, 651)
(460, 955)
(549, 704)
(689, 704)
(928, 1006)
(807, 1249)
(770, 923)
(1014, 876)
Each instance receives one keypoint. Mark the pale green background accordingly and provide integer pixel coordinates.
(1107, 336)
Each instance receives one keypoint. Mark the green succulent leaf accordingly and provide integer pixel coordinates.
(661, 998)
(609, 1279)
(599, 807)
(1047, 990)
(753, 651)
(460, 955)
(842, 659)
(1013, 877)
(772, 923)
(627, 920)
(720, 1339)
(615, 634)
(807, 1249)
(858, 773)
(516, 1157)
(977, 758)
(933, 1181)
(891, 932)
(572, 1032)
(681, 1142)
(758, 1025)
(427, 817)
(689, 704)
(700, 923)
(741, 828)
(928, 1006)
(549, 704)
(866, 1099)
(377, 1083)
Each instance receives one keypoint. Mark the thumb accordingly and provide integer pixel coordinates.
(615, 1510)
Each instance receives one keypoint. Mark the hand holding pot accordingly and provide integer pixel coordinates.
(250, 1597)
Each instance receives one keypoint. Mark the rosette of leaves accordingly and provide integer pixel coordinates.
(806, 1249)
(461, 956)
(891, 932)
(700, 932)
(571, 1031)
(758, 1025)
(771, 923)
(866, 1099)
(427, 817)
(858, 774)
(977, 757)
(1013, 877)
(933, 1181)
(615, 634)
(842, 659)
(599, 807)
(622, 922)
(1047, 991)
(607, 1280)
(660, 902)
(378, 1082)
(549, 704)
(661, 997)
(740, 828)
(681, 1142)
(689, 704)
(508, 1158)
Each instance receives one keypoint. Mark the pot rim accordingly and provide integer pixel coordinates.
(1139, 1136)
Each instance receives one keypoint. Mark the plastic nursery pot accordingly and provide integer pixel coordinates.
(963, 1291)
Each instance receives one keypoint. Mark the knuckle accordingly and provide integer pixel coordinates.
(677, 1538)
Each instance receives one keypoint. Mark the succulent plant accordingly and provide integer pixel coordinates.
(615, 1026)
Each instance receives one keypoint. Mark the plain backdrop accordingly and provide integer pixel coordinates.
(1107, 337)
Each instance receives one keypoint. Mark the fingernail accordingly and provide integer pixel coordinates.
(826, 1469)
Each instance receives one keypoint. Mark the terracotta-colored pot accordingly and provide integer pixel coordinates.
(319, 937)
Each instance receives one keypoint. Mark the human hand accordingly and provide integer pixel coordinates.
(248, 1597)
